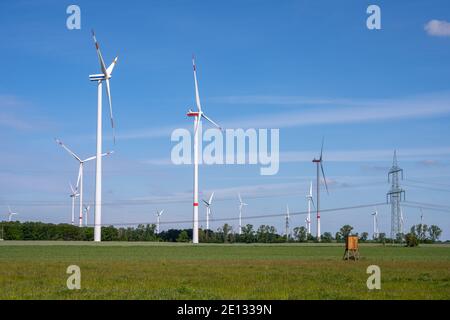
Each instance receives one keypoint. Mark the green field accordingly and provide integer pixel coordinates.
(37, 270)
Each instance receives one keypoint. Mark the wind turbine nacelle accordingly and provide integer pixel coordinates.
(97, 77)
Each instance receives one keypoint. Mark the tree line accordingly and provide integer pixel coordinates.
(263, 234)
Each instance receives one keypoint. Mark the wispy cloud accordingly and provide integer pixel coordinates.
(328, 111)
(353, 112)
(438, 28)
(15, 114)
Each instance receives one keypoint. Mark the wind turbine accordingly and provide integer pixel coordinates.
(198, 115)
(318, 162)
(287, 223)
(10, 213)
(80, 174)
(158, 215)
(375, 224)
(208, 209)
(402, 221)
(99, 78)
(74, 194)
(86, 218)
(309, 198)
(241, 205)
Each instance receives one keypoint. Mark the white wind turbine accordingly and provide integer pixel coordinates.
(86, 216)
(99, 78)
(319, 162)
(402, 221)
(241, 205)
(309, 198)
(10, 214)
(198, 115)
(208, 209)
(375, 224)
(287, 223)
(158, 216)
(73, 195)
(80, 174)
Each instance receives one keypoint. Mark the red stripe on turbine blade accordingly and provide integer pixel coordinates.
(195, 204)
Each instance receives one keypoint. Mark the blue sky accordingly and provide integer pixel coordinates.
(309, 68)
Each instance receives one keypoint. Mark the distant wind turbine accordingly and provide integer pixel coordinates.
(375, 224)
(287, 223)
(241, 205)
(10, 214)
(309, 198)
(198, 115)
(319, 163)
(208, 209)
(86, 218)
(158, 216)
(80, 173)
(73, 195)
(105, 75)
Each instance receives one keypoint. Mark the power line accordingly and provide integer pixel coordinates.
(256, 216)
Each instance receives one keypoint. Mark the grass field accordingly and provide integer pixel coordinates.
(37, 270)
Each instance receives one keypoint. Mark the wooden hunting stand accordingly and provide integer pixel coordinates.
(351, 248)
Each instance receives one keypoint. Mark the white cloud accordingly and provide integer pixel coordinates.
(438, 28)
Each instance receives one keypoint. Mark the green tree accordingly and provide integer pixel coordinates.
(327, 237)
(346, 230)
(434, 232)
(183, 236)
(248, 234)
(364, 236)
(411, 240)
(300, 234)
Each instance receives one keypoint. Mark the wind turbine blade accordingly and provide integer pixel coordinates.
(79, 177)
(9, 209)
(94, 157)
(197, 95)
(323, 174)
(215, 124)
(99, 54)
(108, 92)
(206, 203)
(240, 199)
(161, 212)
(111, 67)
(211, 198)
(67, 149)
(310, 189)
(197, 124)
(71, 188)
(312, 201)
(321, 149)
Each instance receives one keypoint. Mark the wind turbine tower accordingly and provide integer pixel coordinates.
(375, 224)
(309, 198)
(394, 197)
(197, 115)
(104, 76)
(287, 223)
(318, 163)
(158, 218)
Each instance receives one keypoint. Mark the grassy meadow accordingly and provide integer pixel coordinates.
(37, 270)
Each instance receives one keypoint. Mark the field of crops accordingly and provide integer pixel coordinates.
(37, 270)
